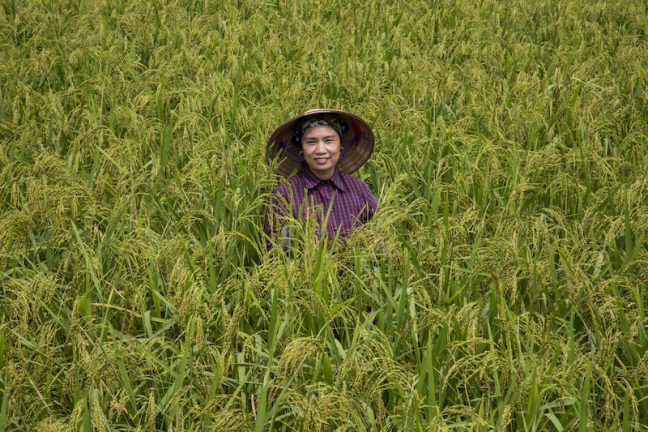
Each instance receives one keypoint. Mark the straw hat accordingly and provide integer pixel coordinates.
(356, 142)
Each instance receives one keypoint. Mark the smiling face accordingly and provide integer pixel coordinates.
(321, 148)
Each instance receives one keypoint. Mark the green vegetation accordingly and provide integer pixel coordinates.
(501, 286)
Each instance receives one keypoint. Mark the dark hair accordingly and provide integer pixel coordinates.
(334, 122)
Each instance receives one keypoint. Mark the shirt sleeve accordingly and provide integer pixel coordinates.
(372, 203)
(277, 210)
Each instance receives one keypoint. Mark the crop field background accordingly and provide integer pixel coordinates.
(502, 285)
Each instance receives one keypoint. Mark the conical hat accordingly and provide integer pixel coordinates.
(357, 142)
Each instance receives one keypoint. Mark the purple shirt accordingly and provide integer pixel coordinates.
(350, 200)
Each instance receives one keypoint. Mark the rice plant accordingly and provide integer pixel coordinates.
(500, 286)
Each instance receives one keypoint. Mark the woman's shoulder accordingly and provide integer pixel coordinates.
(354, 182)
(282, 189)
(288, 186)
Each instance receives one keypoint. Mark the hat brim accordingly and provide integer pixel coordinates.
(356, 143)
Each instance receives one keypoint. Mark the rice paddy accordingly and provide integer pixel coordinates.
(500, 286)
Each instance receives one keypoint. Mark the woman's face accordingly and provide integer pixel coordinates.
(321, 148)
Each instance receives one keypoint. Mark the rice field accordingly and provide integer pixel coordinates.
(501, 286)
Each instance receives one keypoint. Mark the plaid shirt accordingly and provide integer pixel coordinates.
(350, 201)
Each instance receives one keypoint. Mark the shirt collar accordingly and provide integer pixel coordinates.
(311, 180)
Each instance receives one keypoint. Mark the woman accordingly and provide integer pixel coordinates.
(324, 146)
